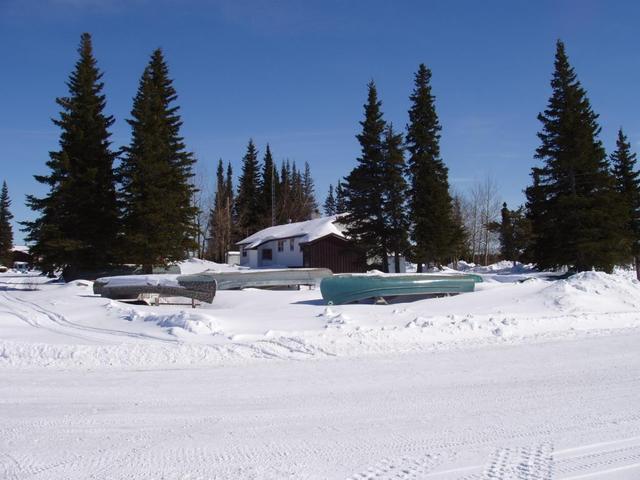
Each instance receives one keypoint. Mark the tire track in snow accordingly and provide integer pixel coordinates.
(398, 468)
(67, 326)
(534, 463)
(521, 463)
(9, 466)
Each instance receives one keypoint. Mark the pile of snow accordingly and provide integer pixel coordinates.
(196, 265)
(594, 292)
(308, 231)
(502, 267)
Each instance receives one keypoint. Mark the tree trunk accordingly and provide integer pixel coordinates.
(396, 261)
(637, 261)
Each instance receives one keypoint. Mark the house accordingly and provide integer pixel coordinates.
(317, 243)
(20, 254)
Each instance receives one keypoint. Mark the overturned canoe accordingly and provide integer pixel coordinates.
(348, 288)
(132, 286)
(272, 278)
(203, 286)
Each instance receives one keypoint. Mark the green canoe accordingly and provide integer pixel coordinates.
(347, 288)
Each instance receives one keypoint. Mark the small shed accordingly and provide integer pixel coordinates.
(334, 252)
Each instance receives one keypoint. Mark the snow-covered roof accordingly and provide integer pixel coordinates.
(20, 248)
(309, 231)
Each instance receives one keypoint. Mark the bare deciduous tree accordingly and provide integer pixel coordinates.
(481, 207)
(203, 200)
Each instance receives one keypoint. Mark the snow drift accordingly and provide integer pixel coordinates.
(66, 326)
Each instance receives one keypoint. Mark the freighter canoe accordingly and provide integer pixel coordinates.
(348, 288)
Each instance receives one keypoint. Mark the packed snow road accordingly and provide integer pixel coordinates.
(565, 409)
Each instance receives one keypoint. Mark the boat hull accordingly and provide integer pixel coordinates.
(341, 289)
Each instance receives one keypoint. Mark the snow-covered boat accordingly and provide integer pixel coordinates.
(348, 288)
(203, 286)
(129, 287)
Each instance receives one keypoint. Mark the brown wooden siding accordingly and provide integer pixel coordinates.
(334, 253)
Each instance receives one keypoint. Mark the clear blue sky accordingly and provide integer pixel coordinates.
(294, 74)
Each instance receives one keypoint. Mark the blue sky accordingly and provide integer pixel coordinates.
(294, 74)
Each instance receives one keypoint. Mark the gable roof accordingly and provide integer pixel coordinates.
(307, 231)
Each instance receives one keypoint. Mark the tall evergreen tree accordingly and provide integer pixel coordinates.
(394, 193)
(234, 235)
(430, 204)
(363, 190)
(309, 205)
(460, 237)
(221, 222)
(341, 204)
(575, 214)
(6, 231)
(78, 218)
(514, 233)
(216, 242)
(269, 182)
(284, 194)
(330, 203)
(627, 182)
(249, 202)
(506, 231)
(156, 175)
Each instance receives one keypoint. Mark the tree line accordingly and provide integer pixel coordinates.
(266, 196)
(136, 204)
(582, 209)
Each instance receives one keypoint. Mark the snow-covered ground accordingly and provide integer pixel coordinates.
(525, 378)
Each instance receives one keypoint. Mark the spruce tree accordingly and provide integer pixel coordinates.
(341, 204)
(216, 244)
(460, 236)
(309, 204)
(269, 182)
(156, 175)
(627, 182)
(249, 201)
(230, 207)
(507, 234)
(330, 203)
(284, 194)
(513, 232)
(575, 214)
(363, 190)
(394, 188)
(6, 231)
(430, 204)
(78, 218)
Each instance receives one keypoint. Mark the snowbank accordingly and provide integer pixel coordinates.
(66, 326)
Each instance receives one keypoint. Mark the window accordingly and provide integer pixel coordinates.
(280, 245)
(291, 244)
(267, 254)
(244, 252)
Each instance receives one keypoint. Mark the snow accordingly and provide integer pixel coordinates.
(556, 410)
(195, 265)
(527, 374)
(308, 231)
(66, 326)
(20, 248)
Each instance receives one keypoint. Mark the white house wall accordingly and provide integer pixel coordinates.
(285, 258)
